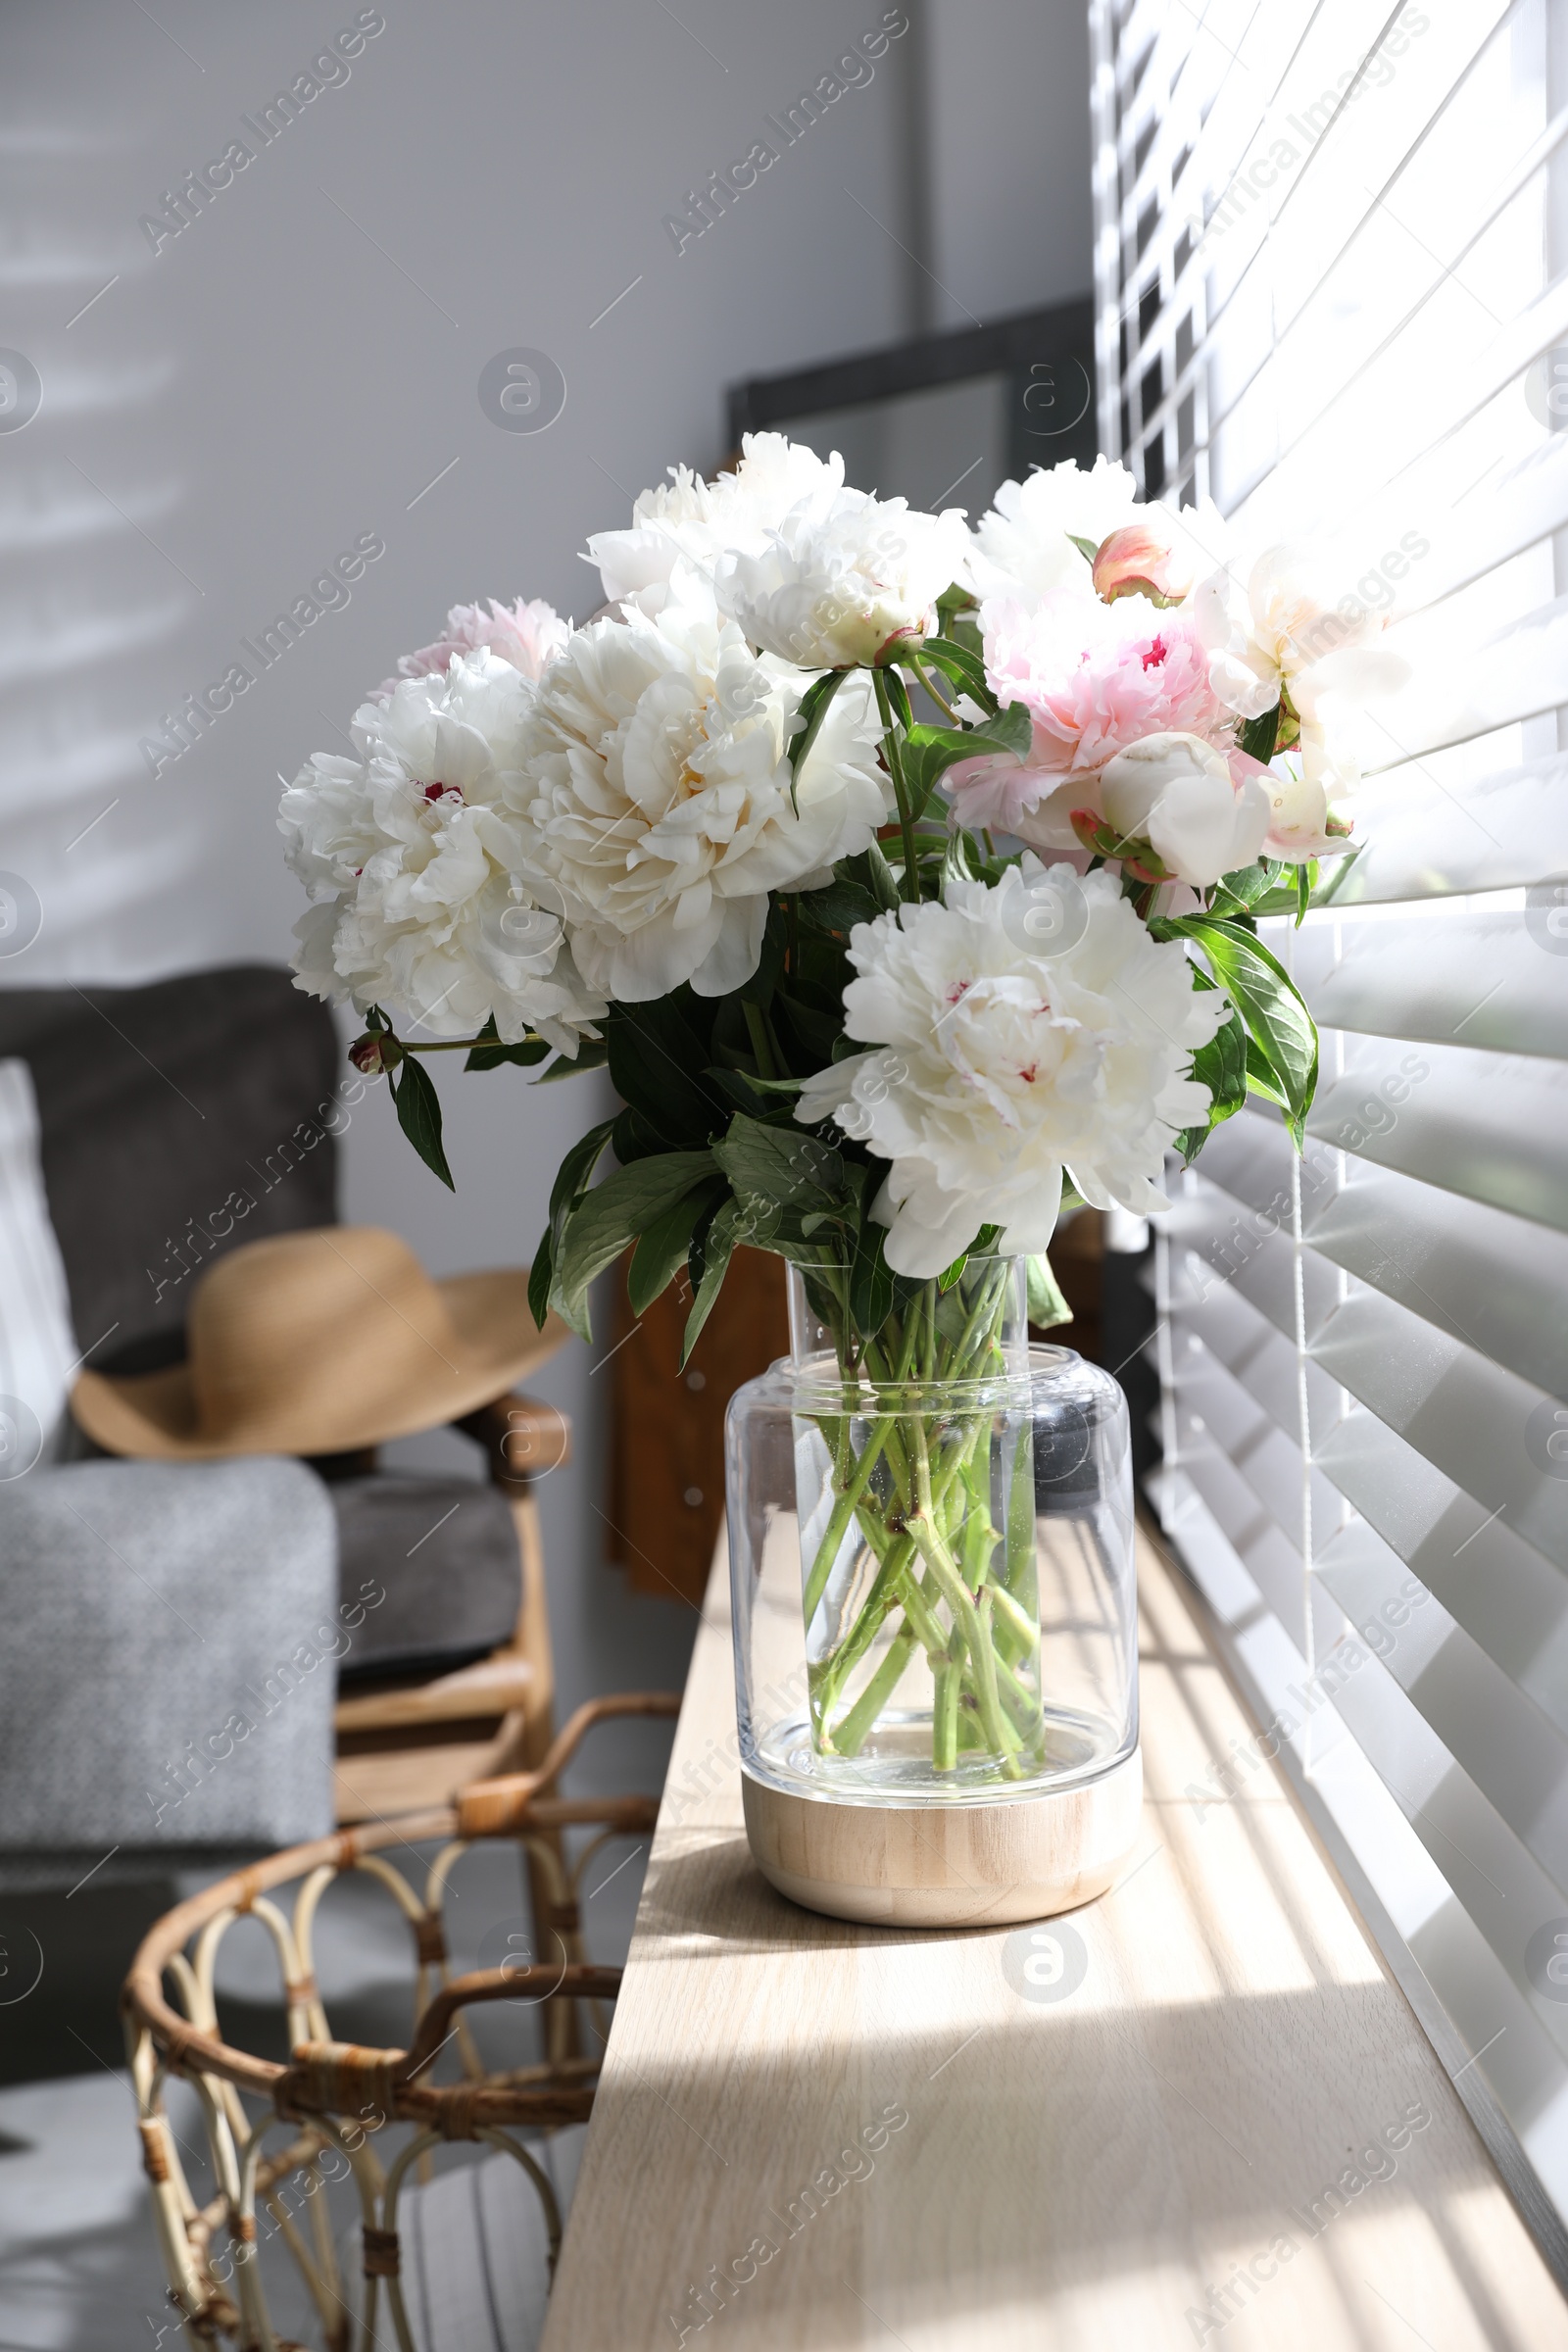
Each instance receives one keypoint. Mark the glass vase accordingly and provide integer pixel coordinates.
(931, 1551)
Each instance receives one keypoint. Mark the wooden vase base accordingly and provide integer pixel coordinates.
(946, 1866)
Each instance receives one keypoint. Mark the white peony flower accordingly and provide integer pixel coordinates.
(1301, 788)
(996, 1073)
(413, 856)
(527, 633)
(658, 811)
(701, 521)
(845, 579)
(1024, 547)
(1176, 791)
(1290, 631)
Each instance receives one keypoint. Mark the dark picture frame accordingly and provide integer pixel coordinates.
(1048, 354)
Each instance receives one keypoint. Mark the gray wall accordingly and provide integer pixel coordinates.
(300, 363)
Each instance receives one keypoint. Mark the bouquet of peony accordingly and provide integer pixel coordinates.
(906, 878)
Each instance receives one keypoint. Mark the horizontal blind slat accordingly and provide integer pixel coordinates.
(1483, 1428)
(1299, 478)
(1515, 1754)
(1491, 1870)
(1259, 225)
(1492, 1280)
(1422, 841)
(1488, 1278)
(1216, 1408)
(1495, 980)
(1526, 504)
(1232, 1245)
(1451, 699)
(1219, 1318)
(1511, 1601)
(1234, 116)
(1491, 1126)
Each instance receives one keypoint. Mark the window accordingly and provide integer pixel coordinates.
(1332, 282)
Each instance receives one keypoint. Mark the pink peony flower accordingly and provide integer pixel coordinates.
(1095, 680)
(528, 635)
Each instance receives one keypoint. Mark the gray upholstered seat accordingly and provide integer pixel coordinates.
(176, 1121)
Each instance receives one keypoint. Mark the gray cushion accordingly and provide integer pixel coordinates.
(207, 1103)
(443, 1552)
(165, 1678)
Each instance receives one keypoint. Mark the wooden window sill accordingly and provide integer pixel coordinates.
(1233, 2129)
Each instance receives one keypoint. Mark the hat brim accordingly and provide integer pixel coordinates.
(153, 1415)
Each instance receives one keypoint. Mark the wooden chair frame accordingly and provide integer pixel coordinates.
(416, 1740)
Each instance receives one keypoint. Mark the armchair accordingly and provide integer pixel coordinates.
(180, 1120)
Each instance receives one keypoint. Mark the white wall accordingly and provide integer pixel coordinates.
(296, 366)
(1009, 211)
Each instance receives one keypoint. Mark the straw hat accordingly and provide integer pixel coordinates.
(321, 1342)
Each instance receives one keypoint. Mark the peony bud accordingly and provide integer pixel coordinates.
(375, 1052)
(1136, 562)
(1178, 793)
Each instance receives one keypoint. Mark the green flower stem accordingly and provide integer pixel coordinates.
(1012, 1740)
(901, 792)
(935, 692)
(849, 1493)
(983, 1653)
(928, 1524)
(966, 1625)
(1018, 1699)
(457, 1044)
(848, 1735)
(919, 1607)
(895, 1587)
(882, 1597)
(757, 1031)
(944, 1718)
(1023, 1628)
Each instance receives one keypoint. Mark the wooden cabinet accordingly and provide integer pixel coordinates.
(667, 1451)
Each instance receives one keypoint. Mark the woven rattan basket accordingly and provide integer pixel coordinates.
(324, 2110)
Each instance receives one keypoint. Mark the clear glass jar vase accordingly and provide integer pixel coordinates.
(931, 1550)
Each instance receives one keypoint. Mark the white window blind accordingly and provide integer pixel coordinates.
(1332, 266)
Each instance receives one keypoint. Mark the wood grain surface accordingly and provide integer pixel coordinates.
(1204, 2114)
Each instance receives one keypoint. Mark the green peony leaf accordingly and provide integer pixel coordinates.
(783, 1165)
(712, 1251)
(657, 1062)
(616, 1213)
(489, 1054)
(1240, 893)
(965, 668)
(663, 1249)
(1259, 736)
(571, 1182)
(592, 1055)
(871, 1289)
(1261, 1078)
(1047, 1306)
(839, 908)
(1222, 1066)
(814, 709)
(1277, 1021)
(929, 752)
(418, 1109)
